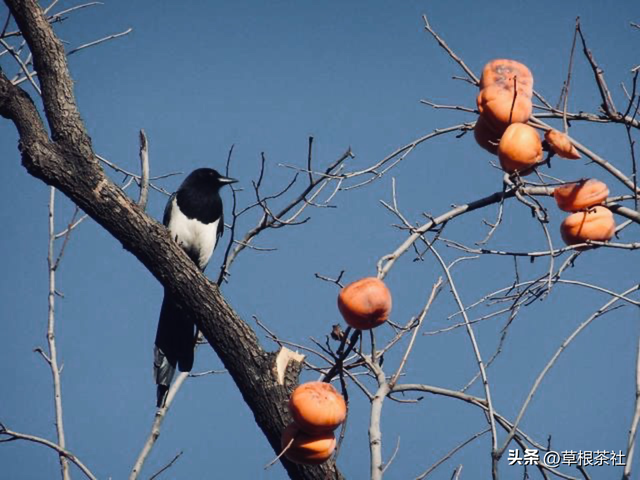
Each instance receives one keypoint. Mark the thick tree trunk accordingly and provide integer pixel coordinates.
(67, 162)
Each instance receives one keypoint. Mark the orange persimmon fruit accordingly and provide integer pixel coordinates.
(503, 71)
(506, 87)
(561, 145)
(500, 109)
(317, 407)
(520, 148)
(308, 449)
(486, 136)
(596, 223)
(365, 303)
(580, 195)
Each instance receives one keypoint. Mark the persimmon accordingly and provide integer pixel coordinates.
(596, 223)
(317, 407)
(365, 303)
(520, 148)
(486, 136)
(503, 71)
(506, 87)
(500, 106)
(583, 194)
(561, 145)
(308, 449)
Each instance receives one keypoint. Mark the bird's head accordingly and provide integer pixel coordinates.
(207, 178)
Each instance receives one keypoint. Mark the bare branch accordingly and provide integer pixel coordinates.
(602, 310)
(23, 66)
(206, 373)
(52, 264)
(455, 57)
(99, 41)
(13, 435)
(157, 423)
(607, 102)
(633, 430)
(144, 170)
(434, 292)
(451, 453)
(386, 262)
(166, 467)
(479, 361)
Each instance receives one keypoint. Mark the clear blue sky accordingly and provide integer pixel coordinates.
(263, 76)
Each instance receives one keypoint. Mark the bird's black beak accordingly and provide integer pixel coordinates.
(227, 180)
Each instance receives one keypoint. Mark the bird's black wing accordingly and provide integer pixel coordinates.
(166, 218)
(220, 227)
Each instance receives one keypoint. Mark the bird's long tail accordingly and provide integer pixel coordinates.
(174, 347)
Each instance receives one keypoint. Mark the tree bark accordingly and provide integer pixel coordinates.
(67, 162)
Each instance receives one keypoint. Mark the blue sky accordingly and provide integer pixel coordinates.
(200, 77)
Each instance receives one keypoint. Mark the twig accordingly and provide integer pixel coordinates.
(392, 457)
(375, 433)
(67, 236)
(144, 170)
(434, 292)
(564, 94)
(479, 361)
(387, 261)
(155, 427)
(456, 472)
(71, 227)
(275, 220)
(632, 143)
(206, 373)
(43, 441)
(279, 456)
(309, 160)
(494, 226)
(444, 45)
(448, 107)
(99, 41)
(56, 16)
(553, 359)
(594, 157)
(6, 25)
(52, 265)
(633, 430)
(51, 5)
(451, 453)
(23, 67)
(331, 280)
(401, 153)
(166, 467)
(605, 94)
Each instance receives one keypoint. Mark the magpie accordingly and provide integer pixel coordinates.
(194, 217)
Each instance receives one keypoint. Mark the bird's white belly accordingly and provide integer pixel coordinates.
(193, 235)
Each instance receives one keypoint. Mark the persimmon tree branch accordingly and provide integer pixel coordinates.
(602, 310)
(7, 435)
(67, 162)
(633, 430)
(387, 261)
(144, 170)
(521, 438)
(156, 425)
(450, 453)
(52, 357)
(385, 387)
(607, 101)
(479, 360)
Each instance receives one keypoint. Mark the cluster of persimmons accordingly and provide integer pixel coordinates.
(317, 408)
(505, 106)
